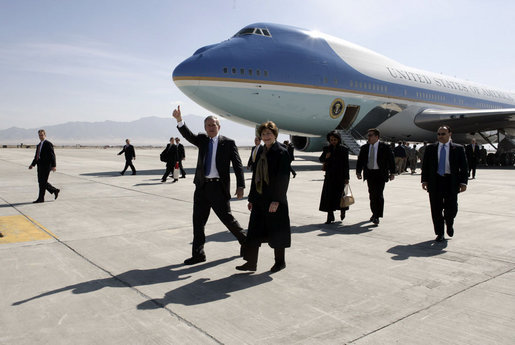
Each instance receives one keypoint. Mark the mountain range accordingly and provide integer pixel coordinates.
(145, 131)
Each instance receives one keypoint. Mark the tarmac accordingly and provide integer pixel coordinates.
(103, 264)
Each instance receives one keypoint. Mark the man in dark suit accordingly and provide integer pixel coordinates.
(473, 152)
(181, 155)
(376, 161)
(212, 181)
(444, 175)
(291, 150)
(254, 152)
(130, 154)
(170, 156)
(44, 158)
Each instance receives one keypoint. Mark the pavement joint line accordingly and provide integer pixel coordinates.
(147, 297)
(432, 305)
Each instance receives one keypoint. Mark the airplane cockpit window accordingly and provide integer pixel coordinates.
(253, 31)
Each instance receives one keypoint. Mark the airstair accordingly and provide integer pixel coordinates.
(349, 141)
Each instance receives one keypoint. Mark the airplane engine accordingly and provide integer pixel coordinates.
(308, 144)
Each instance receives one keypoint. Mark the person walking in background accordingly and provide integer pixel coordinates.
(44, 158)
(412, 158)
(400, 156)
(253, 153)
(130, 154)
(212, 182)
(181, 155)
(269, 216)
(473, 153)
(444, 175)
(376, 161)
(421, 152)
(170, 156)
(335, 159)
(291, 150)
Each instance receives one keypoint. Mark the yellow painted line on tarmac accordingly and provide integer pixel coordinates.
(20, 229)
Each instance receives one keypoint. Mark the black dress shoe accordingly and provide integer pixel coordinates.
(450, 231)
(439, 238)
(195, 260)
(38, 201)
(56, 193)
(175, 180)
(163, 180)
(183, 176)
(375, 221)
(246, 267)
(278, 266)
(372, 218)
(330, 218)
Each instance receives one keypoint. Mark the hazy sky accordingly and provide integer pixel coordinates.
(87, 60)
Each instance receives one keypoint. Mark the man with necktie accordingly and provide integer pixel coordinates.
(376, 161)
(212, 181)
(444, 175)
(44, 158)
(181, 155)
(254, 152)
(472, 151)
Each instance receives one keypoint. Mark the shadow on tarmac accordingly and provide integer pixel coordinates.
(134, 278)
(419, 250)
(204, 290)
(336, 228)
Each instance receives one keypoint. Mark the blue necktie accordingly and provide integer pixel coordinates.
(441, 161)
(209, 156)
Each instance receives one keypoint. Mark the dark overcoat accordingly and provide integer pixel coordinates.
(264, 226)
(336, 172)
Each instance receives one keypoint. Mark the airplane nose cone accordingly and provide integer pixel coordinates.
(185, 76)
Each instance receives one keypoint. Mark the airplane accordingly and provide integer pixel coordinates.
(310, 83)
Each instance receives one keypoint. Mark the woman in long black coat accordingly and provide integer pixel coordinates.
(269, 216)
(335, 158)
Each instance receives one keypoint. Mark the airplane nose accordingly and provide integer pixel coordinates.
(184, 76)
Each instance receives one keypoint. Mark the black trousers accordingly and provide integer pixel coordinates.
(207, 197)
(444, 204)
(169, 170)
(183, 172)
(128, 163)
(376, 183)
(472, 167)
(44, 185)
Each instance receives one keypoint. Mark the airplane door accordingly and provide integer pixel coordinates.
(351, 112)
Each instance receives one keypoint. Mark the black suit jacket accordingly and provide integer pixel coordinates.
(171, 154)
(46, 156)
(226, 152)
(385, 161)
(181, 154)
(472, 155)
(457, 164)
(251, 162)
(129, 152)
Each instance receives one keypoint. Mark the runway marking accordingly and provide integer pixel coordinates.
(20, 228)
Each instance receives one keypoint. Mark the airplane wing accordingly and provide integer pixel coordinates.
(467, 121)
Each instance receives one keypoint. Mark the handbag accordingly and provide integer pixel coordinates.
(176, 171)
(347, 197)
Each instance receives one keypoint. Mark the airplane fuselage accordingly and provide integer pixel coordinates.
(309, 84)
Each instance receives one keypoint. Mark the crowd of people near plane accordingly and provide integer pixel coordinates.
(446, 168)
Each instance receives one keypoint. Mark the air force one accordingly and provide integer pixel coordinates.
(310, 83)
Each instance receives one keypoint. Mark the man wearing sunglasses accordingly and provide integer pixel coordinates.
(444, 175)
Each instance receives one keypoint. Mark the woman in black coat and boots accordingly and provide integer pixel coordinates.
(336, 165)
(269, 217)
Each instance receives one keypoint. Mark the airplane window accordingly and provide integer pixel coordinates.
(265, 73)
(250, 72)
(247, 31)
(233, 70)
(266, 32)
(242, 71)
(225, 70)
(258, 31)
(351, 83)
(258, 73)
